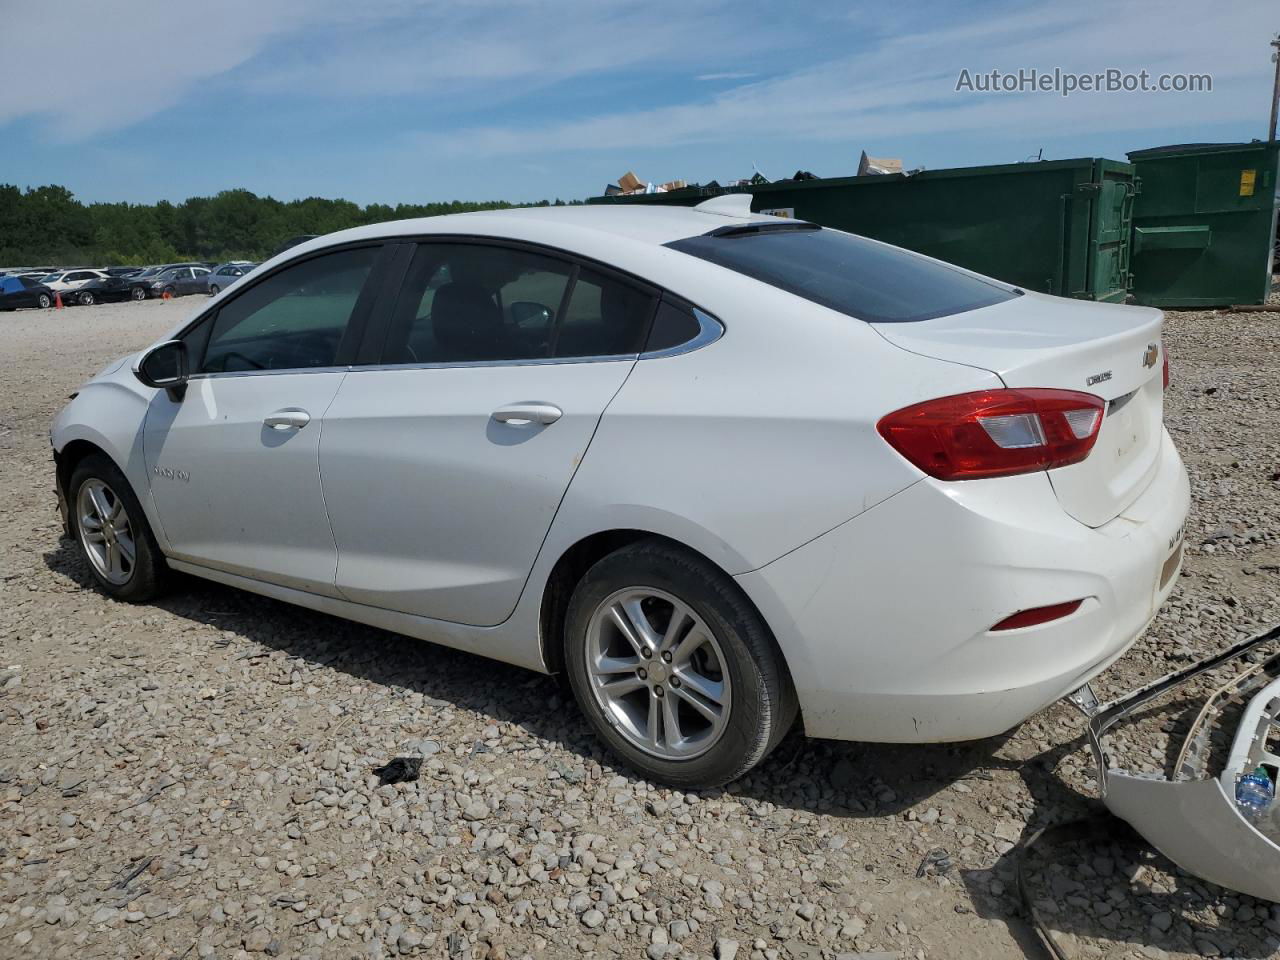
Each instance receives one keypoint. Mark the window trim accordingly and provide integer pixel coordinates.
(367, 302)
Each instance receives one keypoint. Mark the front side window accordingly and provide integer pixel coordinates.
(295, 318)
(850, 274)
(468, 303)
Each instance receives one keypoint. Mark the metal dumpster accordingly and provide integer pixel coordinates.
(1059, 227)
(1204, 223)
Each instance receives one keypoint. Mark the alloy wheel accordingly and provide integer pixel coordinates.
(45, 301)
(658, 673)
(139, 293)
(86, 299)
(106, 533)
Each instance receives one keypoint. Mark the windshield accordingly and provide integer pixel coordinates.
(51, 278)
(859, 277)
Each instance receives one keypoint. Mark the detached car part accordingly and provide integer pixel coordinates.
(1191, 816)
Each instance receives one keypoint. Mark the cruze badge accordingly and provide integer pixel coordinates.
(1151, 356)
(171, 474)
(1102, 377)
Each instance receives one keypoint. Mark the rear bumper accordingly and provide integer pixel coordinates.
(885, 621)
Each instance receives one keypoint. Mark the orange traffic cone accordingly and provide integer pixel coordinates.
(166, 295)
(57, 300)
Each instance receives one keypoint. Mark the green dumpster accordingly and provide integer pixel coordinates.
(1204, 224)
(1061, 226)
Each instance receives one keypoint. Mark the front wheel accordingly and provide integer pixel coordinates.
(213, 289)
(86, 298)
(674, 668)
(139, 293)
(112, 532)
(45, 301)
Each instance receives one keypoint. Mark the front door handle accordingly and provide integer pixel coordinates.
(287, 420)
(519, 414)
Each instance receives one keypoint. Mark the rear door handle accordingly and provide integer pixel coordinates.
(519, 414)
(287, 420)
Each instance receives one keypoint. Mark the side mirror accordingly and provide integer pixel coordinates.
(526, 313)
(164, 367)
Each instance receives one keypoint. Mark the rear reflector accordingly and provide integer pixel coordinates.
(1165, 351)
(1038, 615)
(995, 433)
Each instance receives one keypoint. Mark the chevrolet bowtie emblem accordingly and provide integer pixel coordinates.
(1152, 355)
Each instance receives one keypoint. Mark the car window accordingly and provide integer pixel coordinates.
(853, 275)
(467, 303)
(200, 272)
(293, 319)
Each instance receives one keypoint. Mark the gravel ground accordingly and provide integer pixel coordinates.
(192, 778)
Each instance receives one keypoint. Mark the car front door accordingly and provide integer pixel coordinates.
(445, 464)
(233, 462)
(199, 280)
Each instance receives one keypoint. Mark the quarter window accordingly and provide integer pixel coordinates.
(293, 319)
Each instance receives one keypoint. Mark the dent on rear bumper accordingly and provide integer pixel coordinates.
(885, 620)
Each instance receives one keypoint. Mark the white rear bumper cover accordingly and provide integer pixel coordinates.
(885, 621)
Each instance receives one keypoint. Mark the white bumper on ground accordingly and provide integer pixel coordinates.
(885, 621)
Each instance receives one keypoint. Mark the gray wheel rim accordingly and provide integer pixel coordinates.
(86, 299)
(658, 673)
(106, 533)
(45, 301)
(139, 293)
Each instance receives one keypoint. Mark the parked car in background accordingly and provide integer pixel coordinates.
(123, 271)
(18, 292)
(225, 274)
(68, 282)
(180, 281)
(923, 508)
(101, 288)
(143, 285)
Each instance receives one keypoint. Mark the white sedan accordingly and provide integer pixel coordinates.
(720, 468)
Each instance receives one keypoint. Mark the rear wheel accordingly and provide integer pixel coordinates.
(138, 293)
(112, 533)
(213, 289)
(45, 301)
(674, 668)
(85, 298)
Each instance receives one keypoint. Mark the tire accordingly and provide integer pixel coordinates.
(138, 293)
(45, 301)
(137, 580)
(85, 299)
(757, 701)
(213, 289)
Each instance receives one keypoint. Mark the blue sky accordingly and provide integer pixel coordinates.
(418, 100)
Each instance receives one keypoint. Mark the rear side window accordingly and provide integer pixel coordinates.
(475, 303)
(855, 276)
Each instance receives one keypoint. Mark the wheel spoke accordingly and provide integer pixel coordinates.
(634, 611)
(113, 559)
(675, 627)
(712, 713)
(99, 504)
(93, 536)
(710, 690)
(605, 665)
(127, 550)
(691, 642)
(623, 686)
(673, 738)
(90, 521)
(654, 727)
(116, 509)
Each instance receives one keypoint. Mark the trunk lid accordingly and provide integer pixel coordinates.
(1104, 349)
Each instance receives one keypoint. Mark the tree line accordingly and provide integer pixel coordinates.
(49, 226)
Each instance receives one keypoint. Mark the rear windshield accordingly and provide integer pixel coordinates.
(866, 280)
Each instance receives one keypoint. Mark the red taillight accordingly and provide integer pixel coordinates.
(1165, 351)
(995, 433)
(1038, 615)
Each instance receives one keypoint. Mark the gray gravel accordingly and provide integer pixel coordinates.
(193, 778)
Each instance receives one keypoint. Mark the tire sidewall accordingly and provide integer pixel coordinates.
(149, 569)
(749, 734)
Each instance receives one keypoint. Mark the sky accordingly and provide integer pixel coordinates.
(421, 100)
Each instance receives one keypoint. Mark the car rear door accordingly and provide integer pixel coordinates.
(233, 463)
(444, 464)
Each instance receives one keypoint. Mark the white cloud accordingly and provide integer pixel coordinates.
(727, 75)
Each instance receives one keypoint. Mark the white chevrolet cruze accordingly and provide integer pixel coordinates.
(719, 468)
